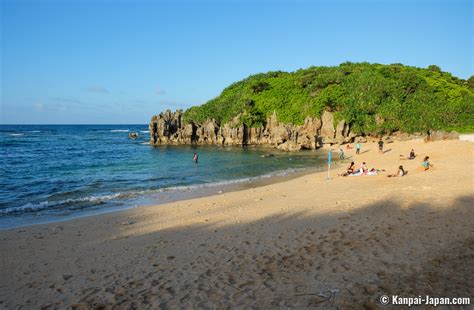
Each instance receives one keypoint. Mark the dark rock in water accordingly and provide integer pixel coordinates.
(133, 135)
(169, 128)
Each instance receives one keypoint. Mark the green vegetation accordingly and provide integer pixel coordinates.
(373, 98)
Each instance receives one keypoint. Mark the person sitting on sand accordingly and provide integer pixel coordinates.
(349, 171)
(351, 167)
(401, 172)
(373, 171)
(426, 163)
(349, 147)
(363, 168)
(412, 154)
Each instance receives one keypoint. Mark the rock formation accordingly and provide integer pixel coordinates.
(169, 128)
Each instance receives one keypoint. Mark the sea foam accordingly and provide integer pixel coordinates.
(31, 207)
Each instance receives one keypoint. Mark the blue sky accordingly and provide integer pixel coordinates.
(122, 61)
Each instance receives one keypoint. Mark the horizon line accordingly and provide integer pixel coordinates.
(69, 124)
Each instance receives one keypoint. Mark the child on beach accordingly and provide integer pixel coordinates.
(401, 172)
(410, 156)
(363, 168)
(426, 163)
(357, 148)
(195, 158)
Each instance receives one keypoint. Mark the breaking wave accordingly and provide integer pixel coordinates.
(90, 201)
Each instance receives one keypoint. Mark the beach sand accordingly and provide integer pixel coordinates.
(275, 246)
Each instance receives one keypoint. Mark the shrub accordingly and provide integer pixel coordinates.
(372, 98)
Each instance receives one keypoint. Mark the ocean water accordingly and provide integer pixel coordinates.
(55, 172)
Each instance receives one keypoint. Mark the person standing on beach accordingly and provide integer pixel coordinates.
(380, 146)
(195, 158)
(357, 148)
(341, 154)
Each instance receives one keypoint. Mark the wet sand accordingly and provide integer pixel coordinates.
(281, 245)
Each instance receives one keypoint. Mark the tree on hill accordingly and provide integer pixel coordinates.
(372, 98)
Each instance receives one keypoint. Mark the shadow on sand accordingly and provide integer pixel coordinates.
(385, 248)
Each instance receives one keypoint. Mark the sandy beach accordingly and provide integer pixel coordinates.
(293, 244)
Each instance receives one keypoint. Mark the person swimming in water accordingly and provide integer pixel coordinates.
(195, 158)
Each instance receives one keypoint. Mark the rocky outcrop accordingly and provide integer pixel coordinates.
(169, 128)
(441, 135)
(327, 127)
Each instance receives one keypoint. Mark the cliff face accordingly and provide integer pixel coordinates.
(169, 128)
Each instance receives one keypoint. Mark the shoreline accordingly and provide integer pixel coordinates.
(171, 195)
(278, 245)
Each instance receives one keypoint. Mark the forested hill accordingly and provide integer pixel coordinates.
(372, 98)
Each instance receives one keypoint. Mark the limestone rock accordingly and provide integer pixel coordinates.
(279, 134)
(441, 135)
(169, 128)
(272, 121)
(360, 140)
(342, 131)
(312, 125)
(306, 141)
(403, 136)
(290, 146)
(254, 136)
(327, 127)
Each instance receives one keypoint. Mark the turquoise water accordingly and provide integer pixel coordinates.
(53, 172)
